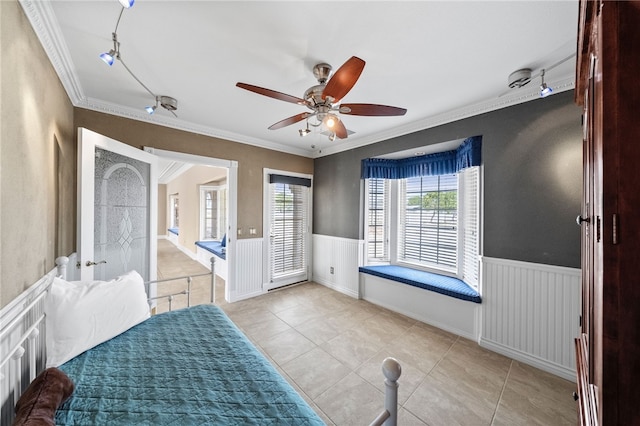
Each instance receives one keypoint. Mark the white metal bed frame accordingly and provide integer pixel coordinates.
(22, 336)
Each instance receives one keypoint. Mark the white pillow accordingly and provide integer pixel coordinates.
(81, 315)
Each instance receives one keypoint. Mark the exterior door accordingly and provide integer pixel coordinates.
(287, 220)
(117, 209)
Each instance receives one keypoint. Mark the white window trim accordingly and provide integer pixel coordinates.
(203, 189)
(394, 222)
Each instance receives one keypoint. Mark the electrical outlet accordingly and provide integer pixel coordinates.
(331, 269)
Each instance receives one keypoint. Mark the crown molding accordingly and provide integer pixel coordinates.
(517, 97)
(42, 18)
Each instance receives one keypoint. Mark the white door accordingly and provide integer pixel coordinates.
(287, 227)
(117, 209)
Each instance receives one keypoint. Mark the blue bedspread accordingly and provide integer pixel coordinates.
(187, 367)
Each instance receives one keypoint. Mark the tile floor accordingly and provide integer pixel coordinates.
(330, 348)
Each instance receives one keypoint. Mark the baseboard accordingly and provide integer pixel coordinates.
(542, 364)
(339, 289)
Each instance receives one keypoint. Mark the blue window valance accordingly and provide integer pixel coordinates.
(468, 154)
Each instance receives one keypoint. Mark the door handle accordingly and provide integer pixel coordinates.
(91, 263)
(581, 219)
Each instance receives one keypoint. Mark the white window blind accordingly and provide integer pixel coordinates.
(289, 205)
(470, 212)
(378, 219)
(428, 221)
(210, 214)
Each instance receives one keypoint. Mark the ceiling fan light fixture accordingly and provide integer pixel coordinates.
(331, 120)
(126, 3)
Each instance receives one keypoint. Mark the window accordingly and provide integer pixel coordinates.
(213, 212)
(378, 220)
(174, 211)
(428, 221)
(435, 224)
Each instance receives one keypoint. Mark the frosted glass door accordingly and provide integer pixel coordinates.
(117, 214)
(121, 215)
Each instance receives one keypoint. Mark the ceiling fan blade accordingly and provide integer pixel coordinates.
(271, 93)
(371, 110)
(340, 130)
(343, 80)
(289, 121)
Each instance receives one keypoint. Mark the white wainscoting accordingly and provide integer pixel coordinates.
(345, 256)
(249, 269)
(456, 316)
(530, 312)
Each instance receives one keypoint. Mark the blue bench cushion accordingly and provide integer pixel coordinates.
(173, 230)
(214, 247)
(442, 284)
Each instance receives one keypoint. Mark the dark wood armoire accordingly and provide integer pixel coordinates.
(608, 88)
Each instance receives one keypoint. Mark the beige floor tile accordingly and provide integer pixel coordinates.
(315, 371)
(285, 346)
(442, 400)
(421, 347)
(352, 401)
(351, 348)
(266, 328)
(298, 315)
(533, 397)
(318, 331)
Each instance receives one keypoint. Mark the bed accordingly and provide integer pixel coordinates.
(184, 367)
(216, 377)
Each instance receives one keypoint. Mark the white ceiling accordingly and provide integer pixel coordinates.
(441, 61)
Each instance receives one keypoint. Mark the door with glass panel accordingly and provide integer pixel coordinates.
(287, 221)
(117, 222)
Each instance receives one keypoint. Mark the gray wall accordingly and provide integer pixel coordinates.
(532, 158)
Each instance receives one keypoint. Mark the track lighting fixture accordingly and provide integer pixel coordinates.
(544, 89)
(166, 102)
(522, 77)
(332, 137)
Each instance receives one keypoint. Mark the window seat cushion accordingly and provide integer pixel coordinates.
(214, 247)
(442, 284)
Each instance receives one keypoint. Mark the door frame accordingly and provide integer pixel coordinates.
(232, 203)
(88, 141)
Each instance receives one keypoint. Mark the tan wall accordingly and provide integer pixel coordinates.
(187, 187)
(162, 209)
(37, 158)
(251, 160)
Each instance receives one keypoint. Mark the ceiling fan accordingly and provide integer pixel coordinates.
(323, 99)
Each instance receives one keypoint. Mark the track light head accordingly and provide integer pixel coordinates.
(151, 109)
(304, 132)
(332, 137)
(126, 3)
(108, 57)
(544, 89)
